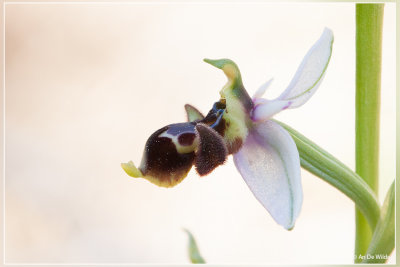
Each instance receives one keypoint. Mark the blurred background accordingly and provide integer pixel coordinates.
(86, 85)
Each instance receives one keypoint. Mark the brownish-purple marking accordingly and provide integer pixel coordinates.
(212, 150)
(186, 139)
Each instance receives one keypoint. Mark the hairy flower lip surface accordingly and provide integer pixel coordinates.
(263, 152)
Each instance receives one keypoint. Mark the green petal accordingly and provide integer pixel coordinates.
(234, 87)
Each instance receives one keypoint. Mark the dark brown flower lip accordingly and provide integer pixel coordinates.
(162, 161)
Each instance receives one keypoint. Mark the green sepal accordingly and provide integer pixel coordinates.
(234, 87)
(238, 104)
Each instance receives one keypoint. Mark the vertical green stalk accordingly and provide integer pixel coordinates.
(369, 20)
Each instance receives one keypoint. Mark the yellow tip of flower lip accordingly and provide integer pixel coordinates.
(131, 169)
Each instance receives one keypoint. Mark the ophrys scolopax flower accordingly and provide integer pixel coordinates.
(264, 153)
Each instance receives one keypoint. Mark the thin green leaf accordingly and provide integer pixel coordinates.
(193, 250)
(382, 242)
(328, 168)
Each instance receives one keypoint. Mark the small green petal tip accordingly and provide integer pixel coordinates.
(219, 63)
(131, 169)
(229, 67)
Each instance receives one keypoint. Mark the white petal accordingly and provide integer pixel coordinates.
(265, 109)
(310, 72)
(260, 91)
(269, 163)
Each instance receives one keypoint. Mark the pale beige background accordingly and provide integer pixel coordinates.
(86, 84)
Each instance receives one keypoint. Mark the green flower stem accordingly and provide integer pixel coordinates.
(382, 242)
(369, 20)
(322, 164)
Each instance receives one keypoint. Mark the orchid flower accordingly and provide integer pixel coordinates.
(264, 153)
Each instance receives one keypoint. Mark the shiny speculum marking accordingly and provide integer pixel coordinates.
(215, 118)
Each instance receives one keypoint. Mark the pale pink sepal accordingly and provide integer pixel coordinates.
(269, 163)
(310, 72)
